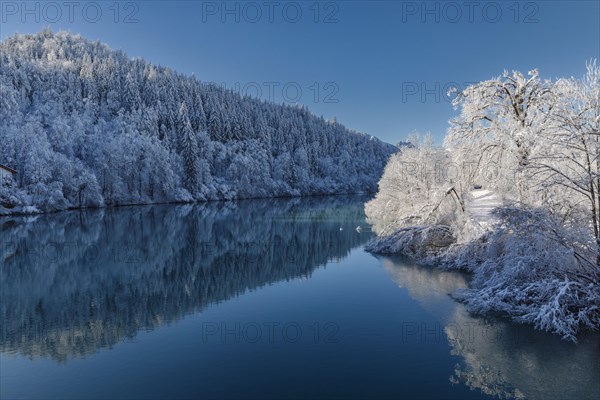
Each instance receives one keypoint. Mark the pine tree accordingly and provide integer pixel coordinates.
(131, 95)
(189, 150)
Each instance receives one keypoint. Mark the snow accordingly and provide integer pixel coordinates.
(86, 126)
(531, 234)
(480, 206)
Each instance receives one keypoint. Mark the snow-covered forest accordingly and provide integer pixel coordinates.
(512, 195)
(85, 126)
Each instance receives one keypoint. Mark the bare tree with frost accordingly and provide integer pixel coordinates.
(499, 124)
(567, 169)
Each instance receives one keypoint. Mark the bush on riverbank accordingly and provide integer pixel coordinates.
(526, 267)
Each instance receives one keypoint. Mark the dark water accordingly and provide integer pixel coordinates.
(259, 299)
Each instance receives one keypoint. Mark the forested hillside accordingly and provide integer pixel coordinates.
(85, 125)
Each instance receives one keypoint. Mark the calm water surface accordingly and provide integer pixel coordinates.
(256, 299)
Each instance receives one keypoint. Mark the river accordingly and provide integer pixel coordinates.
(254, 299)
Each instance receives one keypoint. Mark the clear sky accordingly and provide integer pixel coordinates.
(380, 67)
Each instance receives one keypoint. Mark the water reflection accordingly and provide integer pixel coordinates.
(499, 358)
(78, 281)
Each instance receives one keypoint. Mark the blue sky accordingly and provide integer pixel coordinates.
(380, 67)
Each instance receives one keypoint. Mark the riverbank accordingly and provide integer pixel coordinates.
(33, 210)
(521, 267)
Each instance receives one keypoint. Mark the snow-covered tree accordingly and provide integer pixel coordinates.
(415, 188)
(189, 149)
(567, 169)
(500, 123)
(69, 104)
(532, 238)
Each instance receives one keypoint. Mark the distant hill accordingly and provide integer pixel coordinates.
(85, 125)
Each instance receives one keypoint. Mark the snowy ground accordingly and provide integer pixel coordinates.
(480, 206)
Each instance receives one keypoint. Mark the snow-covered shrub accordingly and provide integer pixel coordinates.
(9, 198)
(534, 270)
(425, 243)
(49, 197)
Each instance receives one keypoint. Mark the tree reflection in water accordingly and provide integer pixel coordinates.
(75, 282)
(500, 358)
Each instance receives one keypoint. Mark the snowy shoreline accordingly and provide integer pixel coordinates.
(32, 210)
(504, 281)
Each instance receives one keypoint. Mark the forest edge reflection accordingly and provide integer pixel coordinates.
(75, 282)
